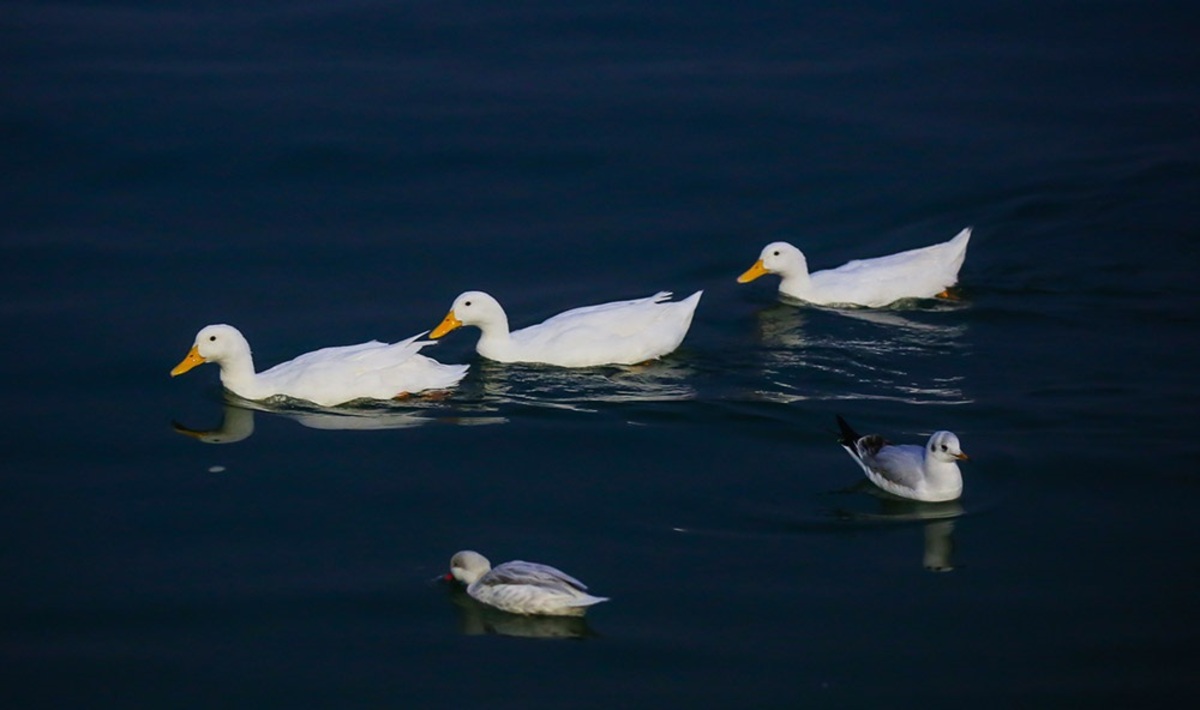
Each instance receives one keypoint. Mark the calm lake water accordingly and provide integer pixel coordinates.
(323, 173)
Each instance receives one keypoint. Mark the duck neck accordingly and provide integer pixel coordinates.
(796, 279)
(494, 336)
(237, 375)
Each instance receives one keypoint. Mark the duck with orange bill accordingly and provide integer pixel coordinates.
(327, 377)
(926, 272)
(616, 333)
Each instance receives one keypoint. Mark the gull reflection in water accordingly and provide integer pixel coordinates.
(939, 519)
(475, 619)
(237, 422)
(860, 354)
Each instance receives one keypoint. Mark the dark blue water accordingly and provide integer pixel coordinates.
(325, 173)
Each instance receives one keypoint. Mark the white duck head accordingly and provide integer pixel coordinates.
(474, 308)
(778, 258)
(468, 566)
(221, 344)
(944, 446)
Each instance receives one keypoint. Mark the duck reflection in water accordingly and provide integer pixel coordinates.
(494, 384)
(859, 354)
(237, 422)
(885, 331)
(475, 619)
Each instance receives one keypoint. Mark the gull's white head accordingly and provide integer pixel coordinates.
(944, 446)
(467, 566)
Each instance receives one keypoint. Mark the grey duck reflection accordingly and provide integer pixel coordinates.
(237, 421)
(475, 619)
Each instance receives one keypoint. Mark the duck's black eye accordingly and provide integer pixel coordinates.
(467, 303)
(943, 447)
(775, 254)
(212, 338)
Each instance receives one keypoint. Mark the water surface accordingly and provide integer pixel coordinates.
(326, 173)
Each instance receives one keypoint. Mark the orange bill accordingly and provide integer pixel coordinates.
(449, 323)
(193, 358)
(753, 272)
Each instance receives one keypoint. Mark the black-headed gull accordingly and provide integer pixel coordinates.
(928, 473)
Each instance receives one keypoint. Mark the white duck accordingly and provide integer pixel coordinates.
(617, 333)
(521, 587)
(917, 273)
(909, 471)
(326, 377)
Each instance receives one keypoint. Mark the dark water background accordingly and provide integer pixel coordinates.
(322, 173)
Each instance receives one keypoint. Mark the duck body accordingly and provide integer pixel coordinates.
(616, 333)
(326, 377)
(918, 273)
(929, 473)
(520, 587)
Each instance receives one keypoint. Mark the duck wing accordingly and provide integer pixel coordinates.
(615, 318)
(362, 357)
(617, 332)
(916, 273)
(519, 572)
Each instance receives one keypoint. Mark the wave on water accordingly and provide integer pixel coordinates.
(828, 354)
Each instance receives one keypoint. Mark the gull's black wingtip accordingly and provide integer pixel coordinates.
(848, 435)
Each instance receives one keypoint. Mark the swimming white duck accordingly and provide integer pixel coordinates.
(617, 333)
(909, 471)
(521, 587)
(327, 377)
(918, 273)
